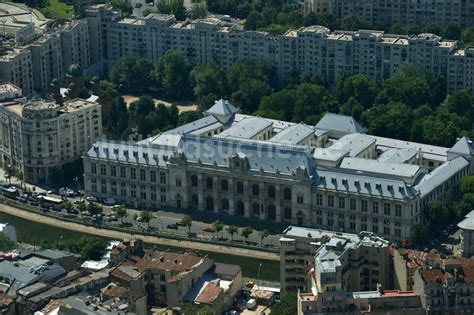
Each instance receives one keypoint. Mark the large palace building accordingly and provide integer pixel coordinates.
(331, 176)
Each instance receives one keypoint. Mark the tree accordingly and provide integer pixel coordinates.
(187, 221)
(263, 234)
(232, 229)
(436, 213)
(209, 83)
(121, 212)
(252, 22)
(286, 306)
(10, 172)
(218, 227)
(5, 243)
(142, 107)
(249, 95)
(146, 216)
(123, 6)
(82, 207)
(360, 87)
(467, 184)
(452, 31)
(418, 234)
(459, 102)
(94, 208)
(245, 232)
(133, 74)
(172, 76)
(198, 11)
(92, 248)
(177, 9)
(196, 310)
(67, 205)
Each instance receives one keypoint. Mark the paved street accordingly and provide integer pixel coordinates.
(201, 219)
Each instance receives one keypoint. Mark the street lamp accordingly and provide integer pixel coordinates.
(258, 274)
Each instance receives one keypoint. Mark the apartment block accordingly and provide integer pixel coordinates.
(389, 13)
(354, 262)
(38, 137)
(16, 67)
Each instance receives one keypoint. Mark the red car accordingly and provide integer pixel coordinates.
(208, 229)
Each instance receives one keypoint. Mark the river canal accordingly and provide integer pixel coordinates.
(31, 232)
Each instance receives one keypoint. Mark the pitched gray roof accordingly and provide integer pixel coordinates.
(294, 134)
(440, 175)
(222, 110)
(463, 146)
(271, 158)
(126, 152)
(339, 123)
(247, 128)
(397, 155)
(355, 143)
(193, 126)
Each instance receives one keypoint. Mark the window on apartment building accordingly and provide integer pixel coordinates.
(123, 192)
(352, 225)
(398, 232)
(363, 226)
(299, 199)
(319, 199)
(133, 193)
(143, 194)
(240, 188)
(103, 170)
(114, 191)
(133, 173)
(342, 203)
(352, 204)
(153, 176)
(255, 190)
(194, 180)
(123, 173)
(113, 171)
(163, 198)
(287, 193)
(162, 178)
(209, 183)
(224, 185)
(330, 223)
(375, 207)
(364, 205)
(387, 208)
(153, 197)
(178, 182)
(271, 191)
(398, 210)
(341, 224)
(319, 221)
(142, 175)
(94, 188)
(386, 230)
(93, 168)
(330, 201)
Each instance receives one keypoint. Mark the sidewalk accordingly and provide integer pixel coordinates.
(148, 239)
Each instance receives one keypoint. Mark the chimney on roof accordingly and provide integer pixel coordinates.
(162, 259)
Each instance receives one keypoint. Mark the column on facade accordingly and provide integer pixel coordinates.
(277, 204)
(263, 205)
(231, 197)
(215, 195)
(246, 199)
(200, 192)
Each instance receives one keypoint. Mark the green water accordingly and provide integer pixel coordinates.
(31, 232)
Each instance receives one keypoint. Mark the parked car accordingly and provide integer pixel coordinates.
(109, 201)
(150, 4)
(138, 5)
(79, 201)
(179, 223)
(172, 226)
(91, 199)
(249, 284)
(86, 213)
(209, 229)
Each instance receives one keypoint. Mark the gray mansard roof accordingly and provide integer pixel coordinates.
(293, 134)
(355, 143)
(267, 157)
(440, 175)
(340, 123)
(193, 126)
(125, 152)
(393, 155)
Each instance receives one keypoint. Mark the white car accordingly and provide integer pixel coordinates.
(91, 199)
(150, 4)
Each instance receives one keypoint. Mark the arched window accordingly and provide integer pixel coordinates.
(287, 214)
(271, 212)
(194, 180)
(209, 183)
(287, 193)
(240, 188)
(225, 204)
(210, 203)
(256, 209)
(240, 208)
(271, 191)
(194, 200)
(224, 185)
(255, 190)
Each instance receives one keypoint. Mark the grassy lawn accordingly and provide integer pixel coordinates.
(56, 9)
